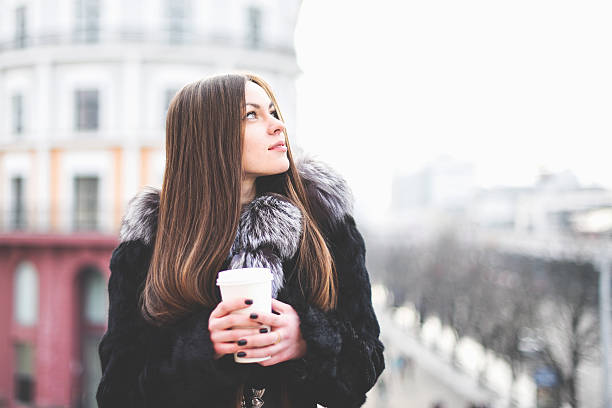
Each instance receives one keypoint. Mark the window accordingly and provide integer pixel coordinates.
(17, 107)
(85, 203)
(93, 306)
(25, 300)
(94, 297)
(254, 27)
(20, 27)
(87, 21)
(86, 109)
(92, 370)
(177, 12)
(24, 373)
(17, 216)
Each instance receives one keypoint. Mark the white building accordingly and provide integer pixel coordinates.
(84, 88)
(445, 184)
(556, 205)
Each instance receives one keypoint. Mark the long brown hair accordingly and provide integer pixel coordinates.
(200, 203)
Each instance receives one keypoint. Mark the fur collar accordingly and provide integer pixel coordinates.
(270, 226)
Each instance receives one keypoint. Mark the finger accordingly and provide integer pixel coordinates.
(281, 307)
(270, 319)
(225, 348)
(275, 359)
(228, 347)
(271, 361)
(227, 306)
(263, 351)
(224, 336)
(237, 320)
(262, 340)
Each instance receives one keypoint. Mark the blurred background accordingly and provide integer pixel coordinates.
(471, 132)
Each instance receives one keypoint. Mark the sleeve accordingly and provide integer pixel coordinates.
(148, 366)
(344, 356)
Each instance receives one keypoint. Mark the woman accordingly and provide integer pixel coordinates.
(233, 197)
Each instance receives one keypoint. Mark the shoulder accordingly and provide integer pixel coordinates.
(346, 237)
(329, 195)
(130, 259)
(331, 201)
(140, 220)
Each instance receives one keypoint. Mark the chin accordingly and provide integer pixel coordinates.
(281, 167)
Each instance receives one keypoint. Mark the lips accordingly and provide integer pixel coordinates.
(277, 144)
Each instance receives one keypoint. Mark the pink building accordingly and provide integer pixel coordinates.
(53, 311)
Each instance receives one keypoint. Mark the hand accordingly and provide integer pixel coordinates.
(287, 325)
(220, 324)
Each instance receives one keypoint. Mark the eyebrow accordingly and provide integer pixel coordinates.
(256, 106)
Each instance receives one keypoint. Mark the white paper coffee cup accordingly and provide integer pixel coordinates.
(249, 283)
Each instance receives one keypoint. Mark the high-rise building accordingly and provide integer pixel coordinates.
(84, 90)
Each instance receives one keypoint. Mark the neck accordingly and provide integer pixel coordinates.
(247, 192)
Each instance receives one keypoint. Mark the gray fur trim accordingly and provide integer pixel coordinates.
(269, 231)
(140, 219)
(270, 221)
(332, 189)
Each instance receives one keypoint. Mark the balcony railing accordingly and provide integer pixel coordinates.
(136, 36)
(28, 221)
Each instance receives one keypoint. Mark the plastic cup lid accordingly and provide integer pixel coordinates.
(244, 276)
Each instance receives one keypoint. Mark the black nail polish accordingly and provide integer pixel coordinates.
(248, 301)
(253, 316)
(263, 330)
(241, 342)
(241, 354)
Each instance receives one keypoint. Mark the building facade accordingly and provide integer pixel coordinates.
(84, 89)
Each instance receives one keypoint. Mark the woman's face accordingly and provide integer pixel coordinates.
(262, 132)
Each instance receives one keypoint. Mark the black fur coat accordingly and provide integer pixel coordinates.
(173, 366)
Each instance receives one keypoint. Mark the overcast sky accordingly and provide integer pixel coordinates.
(511, 86)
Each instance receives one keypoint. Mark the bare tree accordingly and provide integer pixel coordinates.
(569, 318)
(495, 297)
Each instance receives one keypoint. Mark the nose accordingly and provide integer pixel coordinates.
(276, 126)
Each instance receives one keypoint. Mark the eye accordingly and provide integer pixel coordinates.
(250, 115)
(275, 114)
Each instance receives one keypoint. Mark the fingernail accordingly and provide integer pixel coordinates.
(263, 330)
(241, 354)
(249, 301)
(241, 342)
(253, 316)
